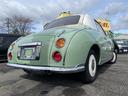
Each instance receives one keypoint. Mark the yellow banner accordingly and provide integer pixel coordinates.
(64, 14)
(105, 24)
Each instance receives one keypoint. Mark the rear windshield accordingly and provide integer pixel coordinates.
(70, 20)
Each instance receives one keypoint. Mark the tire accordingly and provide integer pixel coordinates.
(90, 73)
(117, 51)
(27, 71)
(114, 58)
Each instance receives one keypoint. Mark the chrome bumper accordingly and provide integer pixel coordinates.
(78, 68)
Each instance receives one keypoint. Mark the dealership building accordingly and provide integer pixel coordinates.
(122, 37)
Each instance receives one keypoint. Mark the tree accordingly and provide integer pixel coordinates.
(19, 25)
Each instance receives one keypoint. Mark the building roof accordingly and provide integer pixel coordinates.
(122, 36)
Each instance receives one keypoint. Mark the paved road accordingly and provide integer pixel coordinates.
(112, 81)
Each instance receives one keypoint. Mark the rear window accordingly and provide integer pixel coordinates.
(70, 20)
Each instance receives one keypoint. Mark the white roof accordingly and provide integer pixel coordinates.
(89, 21)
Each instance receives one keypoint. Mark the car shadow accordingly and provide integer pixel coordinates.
(68, 80)
(103, 68)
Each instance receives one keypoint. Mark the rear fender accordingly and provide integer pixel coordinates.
(78, 49)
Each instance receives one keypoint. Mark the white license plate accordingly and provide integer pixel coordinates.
(28, 53)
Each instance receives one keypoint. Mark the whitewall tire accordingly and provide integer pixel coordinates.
(92, 65)
(114, 57)
(90, 73)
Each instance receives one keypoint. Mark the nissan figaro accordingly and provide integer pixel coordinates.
(70, 44)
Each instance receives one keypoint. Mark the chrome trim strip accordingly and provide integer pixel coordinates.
(56, 69)
(31, 44)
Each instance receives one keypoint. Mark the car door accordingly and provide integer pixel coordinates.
(105, 44)
(109, 47)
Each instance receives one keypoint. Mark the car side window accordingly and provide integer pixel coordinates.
(100, 29)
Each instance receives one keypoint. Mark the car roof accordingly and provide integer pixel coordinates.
(88, 21)
(85, 19)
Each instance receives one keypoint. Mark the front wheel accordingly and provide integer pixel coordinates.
(114, 57)
(90, 73)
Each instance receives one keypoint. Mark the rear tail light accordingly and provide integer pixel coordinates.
(60, 43)
(9, 56)
(57, 56)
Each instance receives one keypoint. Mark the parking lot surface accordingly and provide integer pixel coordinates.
(112, 80)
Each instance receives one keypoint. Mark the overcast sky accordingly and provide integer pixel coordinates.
(42, 11)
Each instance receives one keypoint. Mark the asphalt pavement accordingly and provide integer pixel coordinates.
(112, 80)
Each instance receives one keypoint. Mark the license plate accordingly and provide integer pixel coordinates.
(28, 53)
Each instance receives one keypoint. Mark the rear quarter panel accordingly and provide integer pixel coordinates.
(78, 48)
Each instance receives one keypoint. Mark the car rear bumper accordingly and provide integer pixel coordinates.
(75, 69)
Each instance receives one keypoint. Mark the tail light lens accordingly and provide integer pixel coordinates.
(57, 56)
(9, 56)
(60, 43)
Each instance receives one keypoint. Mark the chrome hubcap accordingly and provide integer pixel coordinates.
(92, 65)
(114, 57)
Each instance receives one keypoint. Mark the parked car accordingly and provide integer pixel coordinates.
(5, 42)
(70, 44)
(123, 46)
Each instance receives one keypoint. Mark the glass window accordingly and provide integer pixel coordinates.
(70, 20)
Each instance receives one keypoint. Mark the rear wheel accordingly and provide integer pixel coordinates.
(90, 73)
(28, 71)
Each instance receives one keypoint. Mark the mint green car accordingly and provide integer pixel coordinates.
(67, 45)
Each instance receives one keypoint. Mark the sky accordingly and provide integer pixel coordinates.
(43, 11)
